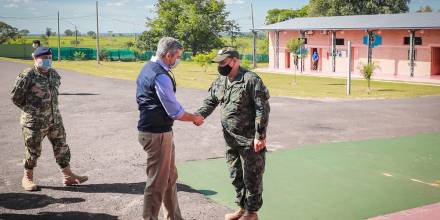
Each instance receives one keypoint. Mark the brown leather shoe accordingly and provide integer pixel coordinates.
(234, 216)
(70, 178)
(249, 215)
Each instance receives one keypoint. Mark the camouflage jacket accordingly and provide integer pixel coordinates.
(244, 106)
(36, 94)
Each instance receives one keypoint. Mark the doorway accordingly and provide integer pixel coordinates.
(315, 66)
(287, 60)
(435, 61)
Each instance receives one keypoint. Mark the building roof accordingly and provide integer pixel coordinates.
(360, 22)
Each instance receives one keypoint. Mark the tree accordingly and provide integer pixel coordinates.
(424, 9)
(294, 46)
(279, 15)
(48, 32)
(68, 32)
(198, 24)
(24, 32)
(91, 34)
(7, 32)
(147, 41)
(351, 7)
(263, 46)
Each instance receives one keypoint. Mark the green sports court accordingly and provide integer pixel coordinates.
(345, 180)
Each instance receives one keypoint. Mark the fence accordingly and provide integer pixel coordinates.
(23, 51)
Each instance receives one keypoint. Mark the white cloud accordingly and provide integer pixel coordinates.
(118, 3)
(18, 3)
(232, 2)
(11, 5)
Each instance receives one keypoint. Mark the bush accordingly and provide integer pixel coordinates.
(74, 42)
(204, 59)
(245, 63)
(367, 71)
(79, 55)
(103, 55)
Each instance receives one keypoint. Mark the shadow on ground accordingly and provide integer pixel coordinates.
(22, 201)
(58, 215)
(123, 188)
(67, 93)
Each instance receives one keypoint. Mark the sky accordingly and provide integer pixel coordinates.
(128, 16)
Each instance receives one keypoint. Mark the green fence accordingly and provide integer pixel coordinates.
(73, 53)
(22, 51)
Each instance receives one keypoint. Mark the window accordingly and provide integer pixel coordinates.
(339, 41)
(305, 40)
(417, 41)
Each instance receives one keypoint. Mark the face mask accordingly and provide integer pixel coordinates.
(175, 64)
(44, 64)
(224, 70)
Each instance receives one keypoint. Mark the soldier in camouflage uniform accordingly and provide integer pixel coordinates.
(36, 94)
(244, 117)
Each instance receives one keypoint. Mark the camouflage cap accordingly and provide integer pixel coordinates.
(225, 53)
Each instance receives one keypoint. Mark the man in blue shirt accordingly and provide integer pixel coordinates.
(315, 58)
(158, 109)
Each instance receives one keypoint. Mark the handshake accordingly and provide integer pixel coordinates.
(198, 119)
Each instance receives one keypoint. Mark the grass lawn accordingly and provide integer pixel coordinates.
(191, 75)
(348, 180)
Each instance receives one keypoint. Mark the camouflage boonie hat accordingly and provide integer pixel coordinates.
(225, 53)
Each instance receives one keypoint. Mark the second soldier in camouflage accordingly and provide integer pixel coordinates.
(36, 94)
(243, 98)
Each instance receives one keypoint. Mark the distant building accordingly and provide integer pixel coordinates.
(394, 37)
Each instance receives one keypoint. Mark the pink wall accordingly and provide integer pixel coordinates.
(392, 55)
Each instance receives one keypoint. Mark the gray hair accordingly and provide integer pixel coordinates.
(168, 45)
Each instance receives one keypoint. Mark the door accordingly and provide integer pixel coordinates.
(315, 66)
(287, 60)
(435, 61)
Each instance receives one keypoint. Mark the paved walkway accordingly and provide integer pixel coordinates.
(429, 212)
(428, 80)
(100, 116)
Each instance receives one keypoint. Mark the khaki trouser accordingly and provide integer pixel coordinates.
(161, 176)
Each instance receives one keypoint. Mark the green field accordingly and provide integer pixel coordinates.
(85, 41)
(191, 75)
(243, 44)
(349, 180)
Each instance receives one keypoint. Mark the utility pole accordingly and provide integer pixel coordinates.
(254, 33)
(412, 34)
(349, 69)
(333, 51)
(370, 46)
(59, 40)
(97, 34)
(76, 37)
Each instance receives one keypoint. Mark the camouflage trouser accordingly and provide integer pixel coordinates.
(32, 141)
(246, 169)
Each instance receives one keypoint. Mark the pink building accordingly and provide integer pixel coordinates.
(394, 38)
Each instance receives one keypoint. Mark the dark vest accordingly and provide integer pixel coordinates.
(153, 117)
